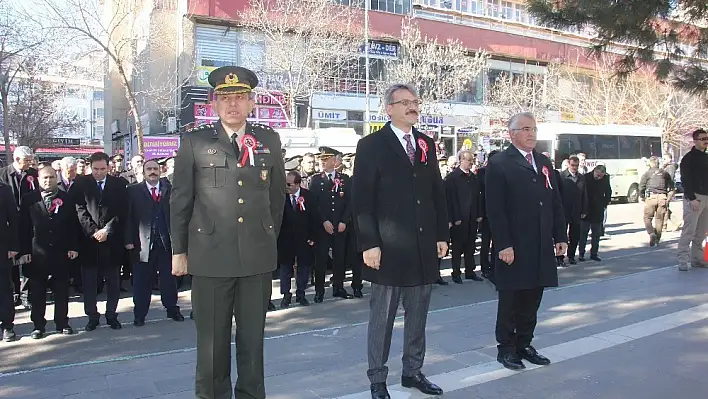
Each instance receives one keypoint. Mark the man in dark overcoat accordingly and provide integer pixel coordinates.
(464, 209)
(599, 189)
(575, 203)
(102, 207)
(50, 241)
(226, 209)
(399, 206)
(526, 217)
(9, 248)
(486, 246)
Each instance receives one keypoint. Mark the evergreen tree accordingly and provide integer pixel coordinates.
(669, 36)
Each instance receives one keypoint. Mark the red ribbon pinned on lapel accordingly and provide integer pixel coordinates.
(337, 185)
(248, 142)
(30, 181)
(301, 203)
(423, 150)
(55, 205)
(548, 178)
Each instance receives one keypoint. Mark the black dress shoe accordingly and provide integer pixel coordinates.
(302, 301)
(17, 302)
(510, 361)
(139, 322)
(440, 281)
(271, 306)
(66, 330)
(285, 302)
(572, 261)
(596, 258)
(379, 391)
(319, 297)
(175, 315)
(358, 293)
(473, 277)
(581, 258)
(91, 325)
(37, 334)
(114, 324)
(8, 335)
(191, 315)
(530, 354)
(457, 279)
(422, 384)
(341, 293)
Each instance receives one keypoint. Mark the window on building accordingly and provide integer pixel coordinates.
(251, 55)
(520, 13)
(98, 132)
(493, 8)
(98, 95)
(98, 113)
(507, 10)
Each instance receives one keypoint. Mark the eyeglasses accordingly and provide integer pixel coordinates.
(408, 103)
(526, 129)
(702, 138)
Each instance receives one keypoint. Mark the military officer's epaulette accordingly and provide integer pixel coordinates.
(201, 128)
(261, 126)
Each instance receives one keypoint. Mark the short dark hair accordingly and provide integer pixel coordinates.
(574, 159)
(98, 156)
(601, 168)
(697, 133)
(296, 176)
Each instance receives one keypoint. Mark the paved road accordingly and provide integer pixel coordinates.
(306, 346)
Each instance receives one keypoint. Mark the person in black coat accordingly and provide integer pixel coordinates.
(331, 198)
(398, 200)
(526, 217)
(102, 208)
(575, 203)
(50, 237)
(599, 191)
(22, 179)
(296, 240)
(9, 248)
(464, 209)
(148, 235)
(486, 246)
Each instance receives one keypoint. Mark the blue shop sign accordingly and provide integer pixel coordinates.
(381, 49)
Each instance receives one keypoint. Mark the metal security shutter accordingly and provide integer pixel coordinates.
(216, 46)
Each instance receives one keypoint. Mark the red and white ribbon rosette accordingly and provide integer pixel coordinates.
(548, 177)
(423, 150)
(55, 205)
(248, 142)
(301, 203)
(337, 185)
(30, 180)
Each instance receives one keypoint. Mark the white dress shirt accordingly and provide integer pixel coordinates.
(150, 186)
(400, 133)
(533, 160)
(296, 196)
(239, 133)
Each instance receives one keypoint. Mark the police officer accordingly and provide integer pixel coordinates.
(330, 190)
(226, 209)
(656, 189)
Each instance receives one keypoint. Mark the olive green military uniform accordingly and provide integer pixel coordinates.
(226, 218)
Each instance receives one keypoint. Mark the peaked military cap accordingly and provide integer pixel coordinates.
(232, 79)
(292, 164)
(328, 152)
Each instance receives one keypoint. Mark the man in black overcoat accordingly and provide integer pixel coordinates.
(597, 185)
(464, 209)
(49, 242)
(526, 217)
(9, 248)
(575, 203)
(400, 214)
(296, 240)
(486, 245)
(102, 207)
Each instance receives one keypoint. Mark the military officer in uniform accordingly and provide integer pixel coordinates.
(330, 190)
(226, 209)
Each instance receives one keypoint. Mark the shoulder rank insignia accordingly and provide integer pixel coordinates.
(199, 128)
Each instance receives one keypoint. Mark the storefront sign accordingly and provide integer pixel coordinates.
(379, 49)
(64, 141)
(202, 75)
(329, 114)
(160, 146)
(375, 126)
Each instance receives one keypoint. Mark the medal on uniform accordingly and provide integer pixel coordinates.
(423, 151)
(264, 174)
(548, 178)
(30, 181)
(301, 203)
(55, 205)
(249, 143)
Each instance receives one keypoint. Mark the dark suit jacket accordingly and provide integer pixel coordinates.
(225, 217)
(599, 197)
(399, 208)
(329, 205)
(9, 223)
(298, 227)
(96, 211)
(525, 215)
(463, 196)
(29, 181)
(140, 219)
(128, 177)
(48, 236)
(575, 196)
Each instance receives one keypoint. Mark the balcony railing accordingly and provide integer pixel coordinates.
(347, 85)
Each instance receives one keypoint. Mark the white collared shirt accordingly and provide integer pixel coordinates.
(239, 133)
(296, 196)
(533, 160)
(157, 187)
(400, 133)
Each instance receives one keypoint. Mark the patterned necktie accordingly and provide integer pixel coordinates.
(48, 201)
(409, 148)
(529, 158)
(294, 201)
(100, 186)
(155, 196)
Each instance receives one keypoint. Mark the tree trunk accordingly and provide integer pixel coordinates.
(133, 109)
(6, 130)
